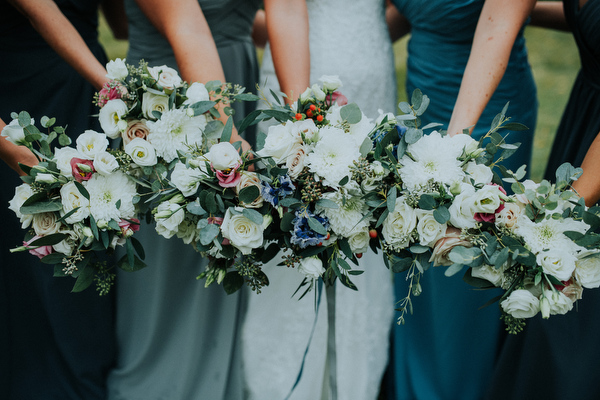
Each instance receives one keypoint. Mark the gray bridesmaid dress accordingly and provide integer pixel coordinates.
(177, 339)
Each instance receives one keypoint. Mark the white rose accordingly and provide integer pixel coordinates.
(521, 304)
(278, 143)
(398, 226)
(141, 152)
(105, 163)
(486, 200)
(153, 102)
(330, 82)
(587, 269)
(250, 179)
(63, 156)
(45, 223)
(461, 209)
(224, 156)
(14, 133)
(296, 160)
(489, 273)
(166, 77)
(111, 118)
(359, 242)
(443, 247)
(463, 145)
(311, 267)
(304, 131)
(318, 93)
(117, 69)
(90, 143)
(557, 262)
(195, 93)
(187, 180)
(509, 216)
(22, 193)
(71, 198)
(559, 303)
(67, 245)
(168, 218)
(480, 173)
(243, 233)
(429, 230)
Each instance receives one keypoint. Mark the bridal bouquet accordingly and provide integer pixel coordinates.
(76, 201)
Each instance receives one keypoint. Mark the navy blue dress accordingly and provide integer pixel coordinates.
(55, 344)
(558, 358)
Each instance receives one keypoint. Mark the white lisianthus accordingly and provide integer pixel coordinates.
(45, 178)
(359, 242)
(195, 93)
(557, 262)
(311, 267)
(304, 96)
(242, 232)
(22, 193)
(141, 152)
(187, 232)
(490, 273)
(558, 302)
(462, 145)
(90, 143)
(333, 156)
(71, 199)
(508, 217)
(330, 82)
(279, 142)
(154, 102)
(487, 199)
(223, 156)
(304, 131)
(430, 160)
(111, 118)
(587, 269)
(399, 225)
(318, 92)
(106, 191)
(347, 219)
(168, 218)
(175, 130)
(117, 69)
(63, 156)
(461, 209)
(429, 230)
(521, 304)
(358, 132)
(165, 76)
(45, 223)
(14, 133)
(105, 163)
(250, 179)
(67, 245)
(187, 180)
(479, 173)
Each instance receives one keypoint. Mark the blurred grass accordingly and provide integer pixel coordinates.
(553, 57)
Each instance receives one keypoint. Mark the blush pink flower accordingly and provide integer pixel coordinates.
(229, 178)
(110, 91)
(337, 97)
(82, 169)
(39, 252)
(129, 227)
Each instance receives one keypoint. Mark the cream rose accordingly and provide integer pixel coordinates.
(398, 226)
(243, 233)
(136, 128)
(187, 180)
(117, 69)
(521, 304)
(22, 193)
(311, 267)
(587, 269)
(359, 242)
(46, 223)
(71, 199)
(278, 143)
(165, 76)
(508, 217)
(250, 179)
(429, 230)
(444, 246)
(142, 152)
(153, 102)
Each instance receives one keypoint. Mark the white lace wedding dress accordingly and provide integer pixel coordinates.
(349, 39)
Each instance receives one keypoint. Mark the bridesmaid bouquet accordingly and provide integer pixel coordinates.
(76, 201)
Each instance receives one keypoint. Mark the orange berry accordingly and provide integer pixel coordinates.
(358, 255)
(313, 107)
(309, 113)
(328, 236)
(373, 233)
(320, 118)
(298, 116)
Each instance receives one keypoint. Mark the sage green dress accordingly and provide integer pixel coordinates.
(177, 339)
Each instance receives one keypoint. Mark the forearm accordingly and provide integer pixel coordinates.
(114, 12)
(287, 26)
(12, 154)
(398, 25)
(259, 29)
(61, 35)
(549, 14)
(497, 29)
(588, 185)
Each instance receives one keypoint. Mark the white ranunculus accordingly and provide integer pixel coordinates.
(509, 216)
(521, 304)
(105, 163)
(195, 93)
(359, 242)
(141, 152)
(559, 303)
(63, 156)
(489, 273)
(486, 200)
(242, 232)
(90, 143)
(175, 130)
(106, 191)
(166, 77)
(461, 209)
(557, 262)
(250, 179)
(223, 156)
(168, 218)
(45, 223)
(330, 82)
(154, 102)
(587, 269)
(278, 143)
(398, 226)
(480, 173)
(429, 230)
(22, 193)
(111, 118)
(14, 133)
(71, 198)
(187, 180)
(117, 69)
(311, 267)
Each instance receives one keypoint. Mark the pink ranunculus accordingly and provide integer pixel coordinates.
(82, 169)
(110, 91)
(488, 217)
(41, 251)
(229, 179)
(337, 97)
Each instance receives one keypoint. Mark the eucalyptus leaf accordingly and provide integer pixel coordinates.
(326, 203)
(413, 135)
(253, 216)
(227, 130)
(207, 234)
(391, 199)
(351, 113)
(316, 226)
(453, 269)
(441, 215)
(249, 194)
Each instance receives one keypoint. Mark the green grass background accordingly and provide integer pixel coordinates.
(553, 57)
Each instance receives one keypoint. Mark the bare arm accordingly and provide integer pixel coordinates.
(549, 14)
(287, 26)
(398, 25)
(588, 185)
(259, 30)
(61, 35)
(12, 154)
(114, 12)
(497, 29)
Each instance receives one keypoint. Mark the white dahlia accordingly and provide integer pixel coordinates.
(175, 130)
(106, 191)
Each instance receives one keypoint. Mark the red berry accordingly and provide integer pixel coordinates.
(309, 113)
(298, 116)
(373, 233)
(328, 236)
(358, 255)
(313, 107)
(320, 118)
(319, 244)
